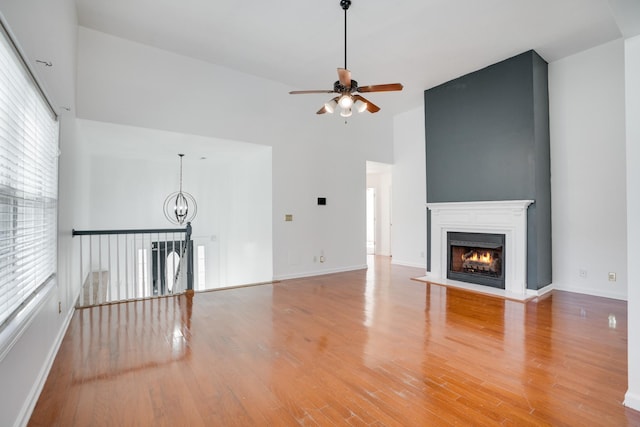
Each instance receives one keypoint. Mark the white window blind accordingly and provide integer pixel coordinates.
(28, 184)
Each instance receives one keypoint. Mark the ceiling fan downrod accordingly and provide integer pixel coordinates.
(345, 6)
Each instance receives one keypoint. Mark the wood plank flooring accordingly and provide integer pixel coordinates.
(363, 348)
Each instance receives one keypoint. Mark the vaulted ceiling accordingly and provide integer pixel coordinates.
(420, 43)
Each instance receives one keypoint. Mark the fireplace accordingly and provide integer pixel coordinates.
(476, 258)
(505, 217)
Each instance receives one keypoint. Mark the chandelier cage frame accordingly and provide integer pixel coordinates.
(180, 206)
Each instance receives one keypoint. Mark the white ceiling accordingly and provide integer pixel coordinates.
(420, 43)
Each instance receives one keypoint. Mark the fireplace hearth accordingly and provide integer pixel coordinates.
(476, 258)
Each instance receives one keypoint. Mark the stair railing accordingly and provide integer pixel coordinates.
(123, 265)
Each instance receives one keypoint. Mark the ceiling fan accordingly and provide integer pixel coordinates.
(347, 88)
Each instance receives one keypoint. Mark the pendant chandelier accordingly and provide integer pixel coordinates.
(180, 207)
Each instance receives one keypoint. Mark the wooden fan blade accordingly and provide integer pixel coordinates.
(322, 110)
(299, 92)
(344, 76)
(371, 107)
(380, 88)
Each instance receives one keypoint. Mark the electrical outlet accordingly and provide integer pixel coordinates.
(612, 276)
(321, 258)
(582, 273)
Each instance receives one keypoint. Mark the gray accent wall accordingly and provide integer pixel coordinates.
(487, 138)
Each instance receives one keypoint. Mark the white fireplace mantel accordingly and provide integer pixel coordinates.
(508, 217)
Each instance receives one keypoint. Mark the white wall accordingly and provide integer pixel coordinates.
(632, 79)
(134, 169)
(47, 30)
(313, 156)
(588, 181)
(336, 231)
(409, 235)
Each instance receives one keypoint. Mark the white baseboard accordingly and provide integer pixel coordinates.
(380, 254)
(540, 292)
(319, 272)
(34, 394)
(422, 265)
(593, 292)
(632, 400)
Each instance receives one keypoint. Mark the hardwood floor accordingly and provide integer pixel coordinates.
(364, 348)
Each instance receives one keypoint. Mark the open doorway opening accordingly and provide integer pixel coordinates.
(378, 209)
(371, 221)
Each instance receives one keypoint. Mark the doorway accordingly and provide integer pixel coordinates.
(378, 209)
(371, 221)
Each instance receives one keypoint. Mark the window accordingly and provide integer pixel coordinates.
(202, 284)
(28, 186)
(143, 273)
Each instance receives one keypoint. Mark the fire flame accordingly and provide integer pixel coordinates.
(484, 257)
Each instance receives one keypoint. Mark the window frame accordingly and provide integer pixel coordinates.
(16, 323)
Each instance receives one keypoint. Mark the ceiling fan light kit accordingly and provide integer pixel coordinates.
(345, 101)
(331, 106)
(347, 88)
(360, 106)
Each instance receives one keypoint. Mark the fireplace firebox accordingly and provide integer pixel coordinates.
(476, 258)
